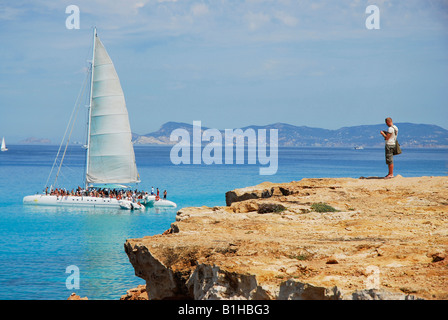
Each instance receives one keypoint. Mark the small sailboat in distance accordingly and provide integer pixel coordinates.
(110, 161)
(3, 147)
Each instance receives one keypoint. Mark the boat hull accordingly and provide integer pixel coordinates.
(76, 201)
(151, 201)
(163, 204)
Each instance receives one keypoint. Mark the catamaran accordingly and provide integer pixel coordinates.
(110, 163)
(3, 147)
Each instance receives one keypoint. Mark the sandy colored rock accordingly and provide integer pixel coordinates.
(74, 296)
(138, 293)
(388, 240)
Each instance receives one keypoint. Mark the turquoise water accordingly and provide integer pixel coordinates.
(37, 244)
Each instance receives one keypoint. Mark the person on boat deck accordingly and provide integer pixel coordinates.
(157, 192)
(164, 195)
(99, 193)
(152, 190)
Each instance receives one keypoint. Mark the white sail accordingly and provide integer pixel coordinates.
(3, 147)
(111, 158)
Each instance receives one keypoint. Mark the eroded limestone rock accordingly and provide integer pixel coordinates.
(398, 227)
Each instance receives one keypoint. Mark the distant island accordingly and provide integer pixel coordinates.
(33, 140)
(410, 135)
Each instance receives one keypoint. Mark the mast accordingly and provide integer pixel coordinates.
(90, 105)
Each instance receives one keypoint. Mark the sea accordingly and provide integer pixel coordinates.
(43, 249)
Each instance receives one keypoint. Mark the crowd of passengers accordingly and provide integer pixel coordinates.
(97, 192)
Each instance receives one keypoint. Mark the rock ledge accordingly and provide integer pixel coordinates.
(388, 239)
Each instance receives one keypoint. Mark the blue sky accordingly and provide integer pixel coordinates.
(227, 63)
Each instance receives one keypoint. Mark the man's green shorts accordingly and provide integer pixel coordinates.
(389, 154)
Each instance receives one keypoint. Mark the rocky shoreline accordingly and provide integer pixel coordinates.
(316, 239)
(386, 239)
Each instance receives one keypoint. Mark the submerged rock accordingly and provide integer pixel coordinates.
(74, 296)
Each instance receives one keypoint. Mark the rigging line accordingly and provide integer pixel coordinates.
(65, 134)
(69, 136)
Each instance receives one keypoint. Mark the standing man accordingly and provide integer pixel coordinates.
(390, 136)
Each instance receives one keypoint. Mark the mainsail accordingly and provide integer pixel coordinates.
(3, 147)
(110, 154)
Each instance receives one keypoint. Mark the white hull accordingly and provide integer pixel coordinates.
(161, 203)
(76, 201)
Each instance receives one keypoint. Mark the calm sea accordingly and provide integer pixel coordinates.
(37, 244)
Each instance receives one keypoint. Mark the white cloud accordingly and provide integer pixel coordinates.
(97, 7)
(199, 9)
(316, 6)
(256, 20)
(286, 19)
(270, 64)
(9, 13)
(139, 5)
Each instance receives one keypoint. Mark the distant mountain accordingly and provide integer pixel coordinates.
(410, 135)
(162, 136)
(33, 140)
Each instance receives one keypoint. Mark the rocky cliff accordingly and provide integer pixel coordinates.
(310, 239)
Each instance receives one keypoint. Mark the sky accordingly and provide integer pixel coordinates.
(227, 63)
